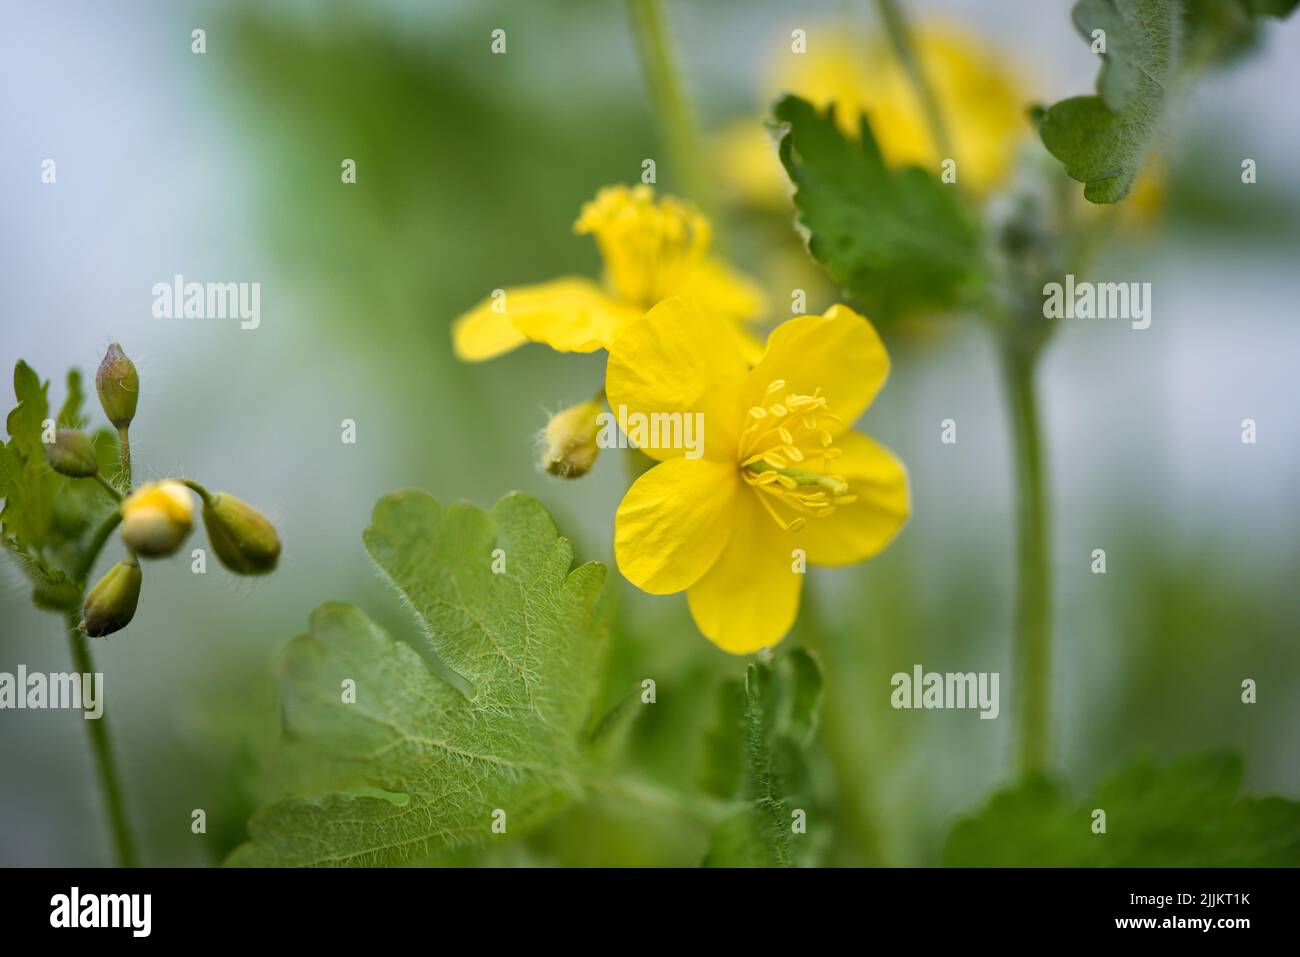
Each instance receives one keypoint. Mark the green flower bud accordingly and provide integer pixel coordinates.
(156, 518)
(568, 442)
(110, 606)
(72, 454)
(118, 385)
(243, 538)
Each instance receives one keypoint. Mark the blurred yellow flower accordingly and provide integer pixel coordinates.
(157, 517)
(651, 250)
(982, 101)
(782, 478)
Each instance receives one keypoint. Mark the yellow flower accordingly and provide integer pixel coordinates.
(652, 250)
(982, 104)
(781, 469)
(157, 517)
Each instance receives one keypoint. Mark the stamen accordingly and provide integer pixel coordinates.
(786, 434)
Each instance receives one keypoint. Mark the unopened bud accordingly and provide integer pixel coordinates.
(110, 606)
(156, 518)
(118, 385)
(243, 538)
(568, 442)
(72, 454)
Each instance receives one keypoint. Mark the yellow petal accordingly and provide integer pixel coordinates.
(680, 359)
(981, 96)
(483, 333)
(569, 315)
(862, 528)
(840, 353)
(749, 598)
(722, 290)
(674, 522)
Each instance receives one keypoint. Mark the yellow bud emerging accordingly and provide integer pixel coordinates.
(72, 454)
(118, 385)
(156, 518)
(568, 442)
(243, 538)
(110, 606)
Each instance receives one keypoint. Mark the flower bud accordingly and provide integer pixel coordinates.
(157, 517)
(72, 454)
(118, 385)
(110, 606)
(243, 538)
(568, 442)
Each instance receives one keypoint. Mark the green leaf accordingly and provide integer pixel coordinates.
(26, 481)
(769, 721)
(1220, 31)
(898, 241)
(1103, 140)
(46, 516)
(70, 416)
(419, 763)
(1188, 814)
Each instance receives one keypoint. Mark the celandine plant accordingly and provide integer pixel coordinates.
(388, 758)
(66, 491)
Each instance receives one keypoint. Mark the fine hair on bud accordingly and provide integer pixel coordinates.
(118, 385)
(568, 443)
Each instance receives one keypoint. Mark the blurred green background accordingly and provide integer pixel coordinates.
(471, 169)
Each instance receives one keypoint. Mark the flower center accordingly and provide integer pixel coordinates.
(650, 249)
(786, 455)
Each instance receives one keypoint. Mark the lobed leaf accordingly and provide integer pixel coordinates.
(421, 761)
(1103, 140)
(898, 241)
(1188, 814)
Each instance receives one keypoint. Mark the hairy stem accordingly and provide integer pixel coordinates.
(666, 89)
(108, 487)
(124, 453)
(102, 747)
(1033, 646)
(900, 36)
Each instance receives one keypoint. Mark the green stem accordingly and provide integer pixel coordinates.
(124, 454)
(108, 487)
(671, 106)
(702, 810)
(900, 36)
(1033, 647)
(102, 746)
(87, 565)
(198, 489)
